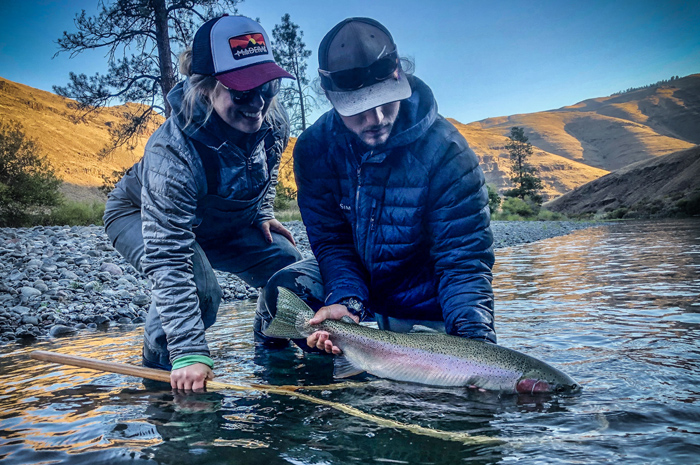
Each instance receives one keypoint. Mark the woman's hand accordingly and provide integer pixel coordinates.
(273, 225)
(191, 378)
(321, 339)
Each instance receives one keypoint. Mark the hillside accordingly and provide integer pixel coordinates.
(660, 186)
(71, 148)
(609, 133)
(559, 174)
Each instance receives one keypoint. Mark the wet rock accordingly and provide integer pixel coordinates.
(99, 320)
(61, 330)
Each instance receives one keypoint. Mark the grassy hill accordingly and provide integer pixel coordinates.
(71, 148)
(661, 186)
(559, 173)
(608, 133)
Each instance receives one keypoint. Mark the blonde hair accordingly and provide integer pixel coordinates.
(202, 86)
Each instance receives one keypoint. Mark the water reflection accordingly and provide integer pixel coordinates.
(616, 307)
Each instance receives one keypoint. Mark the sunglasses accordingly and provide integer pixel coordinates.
(356, 78)
(266, 91)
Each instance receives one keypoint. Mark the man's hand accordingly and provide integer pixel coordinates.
(321, 339)
(267, 227)
(191, 378)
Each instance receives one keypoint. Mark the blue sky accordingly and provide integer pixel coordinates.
(482, 59)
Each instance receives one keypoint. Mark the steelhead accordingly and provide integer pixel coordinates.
(435, 359)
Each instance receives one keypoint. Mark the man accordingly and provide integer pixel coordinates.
(393, 200)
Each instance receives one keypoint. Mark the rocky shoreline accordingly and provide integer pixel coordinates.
(58, 280)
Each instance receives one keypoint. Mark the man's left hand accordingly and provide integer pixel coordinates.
(273, 225)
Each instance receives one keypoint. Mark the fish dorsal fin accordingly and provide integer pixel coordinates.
(347, 319)
(343, 368)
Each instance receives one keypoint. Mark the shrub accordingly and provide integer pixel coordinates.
(517, 206)
(494, 198)
(546, 215)
(690, 205)
(618, 213)
(75, 214)
(289, 213)
(284, 197)
(27, 181)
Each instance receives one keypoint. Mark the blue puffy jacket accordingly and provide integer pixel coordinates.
(403, 227)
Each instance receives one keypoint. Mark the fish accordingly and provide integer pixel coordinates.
(429, 358)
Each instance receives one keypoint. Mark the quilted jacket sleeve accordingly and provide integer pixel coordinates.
(168, 204)
(330, 235)
(462, 241)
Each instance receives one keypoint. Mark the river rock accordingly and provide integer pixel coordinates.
(112, 269)
(27, 291)
(61, 330)
(30, 320)
(140, 299)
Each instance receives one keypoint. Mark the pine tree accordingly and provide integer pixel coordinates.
(291, 54)
(523, 175)
(141, 38)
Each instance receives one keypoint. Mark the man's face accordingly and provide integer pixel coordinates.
(373, 126)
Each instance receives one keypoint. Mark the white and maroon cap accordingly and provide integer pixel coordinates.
(236, 51)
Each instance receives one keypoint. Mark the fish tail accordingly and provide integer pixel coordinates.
(292, 313)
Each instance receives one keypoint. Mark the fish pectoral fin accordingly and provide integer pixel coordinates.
(343, 368)
(347, 319)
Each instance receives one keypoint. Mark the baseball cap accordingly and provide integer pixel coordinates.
(357, 44)
(236, 51)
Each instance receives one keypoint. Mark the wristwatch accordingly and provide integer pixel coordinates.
(355, 307)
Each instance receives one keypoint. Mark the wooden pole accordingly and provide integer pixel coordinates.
(160, 375)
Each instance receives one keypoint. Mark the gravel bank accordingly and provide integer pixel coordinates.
(58, 280)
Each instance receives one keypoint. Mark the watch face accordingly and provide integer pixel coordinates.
(354, 306)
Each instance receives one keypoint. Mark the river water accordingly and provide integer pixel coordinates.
(617, 307)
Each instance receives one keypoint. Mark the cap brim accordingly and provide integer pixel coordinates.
(252, 76)
(353, 102)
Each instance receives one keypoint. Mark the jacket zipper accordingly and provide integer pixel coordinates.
(357, 204)
(358, 219)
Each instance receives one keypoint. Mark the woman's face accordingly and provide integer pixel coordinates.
(247, 117)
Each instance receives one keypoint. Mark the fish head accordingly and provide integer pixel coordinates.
(546, 381)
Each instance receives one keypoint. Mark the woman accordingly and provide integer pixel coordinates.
(201, 197)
